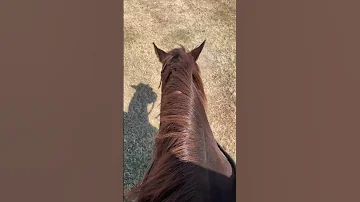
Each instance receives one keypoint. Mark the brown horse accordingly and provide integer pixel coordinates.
(187, 164)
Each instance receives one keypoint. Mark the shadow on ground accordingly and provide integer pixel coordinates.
(138, 135)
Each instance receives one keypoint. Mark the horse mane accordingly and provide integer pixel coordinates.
(172, 175)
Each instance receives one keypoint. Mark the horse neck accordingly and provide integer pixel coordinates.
(215, 159)
(201, 146)
(202, 121)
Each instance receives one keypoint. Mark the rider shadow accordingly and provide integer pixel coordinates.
(138, 135)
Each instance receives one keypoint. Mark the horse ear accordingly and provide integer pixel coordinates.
(196, 51)
(160, 53)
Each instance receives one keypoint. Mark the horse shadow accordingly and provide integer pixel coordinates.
(138, 135)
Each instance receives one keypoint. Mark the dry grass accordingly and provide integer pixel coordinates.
(167, 23)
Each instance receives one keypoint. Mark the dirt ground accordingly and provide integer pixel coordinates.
(169, 23)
